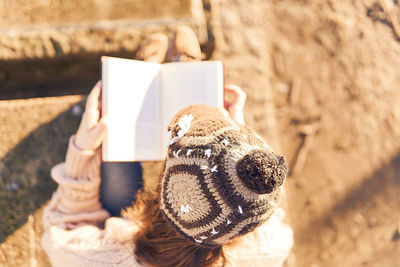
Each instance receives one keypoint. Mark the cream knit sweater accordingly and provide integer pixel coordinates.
(79, 232)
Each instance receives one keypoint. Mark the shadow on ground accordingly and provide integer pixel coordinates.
(25, 171)
(58, 76)
(363, 222)
(62, 75)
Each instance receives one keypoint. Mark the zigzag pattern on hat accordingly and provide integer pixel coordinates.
(220, 180)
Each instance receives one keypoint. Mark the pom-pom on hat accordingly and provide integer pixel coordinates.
(220, 180)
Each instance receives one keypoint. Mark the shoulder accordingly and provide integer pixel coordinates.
(276, 235)
(90, 245)
(270, 243)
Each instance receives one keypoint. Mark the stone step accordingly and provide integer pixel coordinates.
(48, 29)
(43, 13)
(57, 55)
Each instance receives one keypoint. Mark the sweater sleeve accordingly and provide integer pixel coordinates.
(72, 233)
(76, 200)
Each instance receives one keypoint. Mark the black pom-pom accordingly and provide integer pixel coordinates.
(262, 171)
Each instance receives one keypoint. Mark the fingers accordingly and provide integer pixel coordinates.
(91, 131)
(234, 103)
(92, 106)
(99, 132)
(92, 101)
(233, 88)
(91, 118)
(239, 96)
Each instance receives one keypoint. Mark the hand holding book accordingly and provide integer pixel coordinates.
(91, 131)
(234, 101)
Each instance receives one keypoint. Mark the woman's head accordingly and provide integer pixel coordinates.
(219, 181)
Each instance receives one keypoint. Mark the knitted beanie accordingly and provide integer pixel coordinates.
(220, 180)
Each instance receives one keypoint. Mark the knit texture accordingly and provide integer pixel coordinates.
(221, 180)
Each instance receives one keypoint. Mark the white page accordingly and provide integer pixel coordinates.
(188, 83)
(131, 101)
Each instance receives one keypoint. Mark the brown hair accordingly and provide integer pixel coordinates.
(158, 244)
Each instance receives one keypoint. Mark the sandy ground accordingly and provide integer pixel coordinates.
(330, 69)
(335, 68)
(333, 72)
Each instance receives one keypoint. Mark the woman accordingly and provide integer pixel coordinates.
(217, 203)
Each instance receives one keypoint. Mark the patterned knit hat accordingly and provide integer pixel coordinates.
(220, 180)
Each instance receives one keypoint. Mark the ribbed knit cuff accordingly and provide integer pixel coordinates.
(76, 194)
(76, 159)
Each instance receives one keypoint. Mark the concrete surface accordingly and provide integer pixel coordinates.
(33, 137)
(48, 29)
(242, 44)
(50, 48)
(20, 15)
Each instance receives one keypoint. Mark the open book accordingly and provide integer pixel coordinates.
(141, 98)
